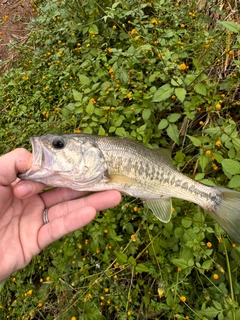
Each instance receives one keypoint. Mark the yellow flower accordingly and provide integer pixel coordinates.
(48, 278)
(154, 21)
(182, 25)
(209, 245)
(129, 95)
(114, 27)
(133, 237)
(218, 143)
(40, 304)
(215, 276)
(183, 66)
(208, 152)
(134, 31)
(183, 298)
(218, 106)
(110, 71)
(92, 100)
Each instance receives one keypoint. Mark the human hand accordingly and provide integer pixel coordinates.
(23, 233)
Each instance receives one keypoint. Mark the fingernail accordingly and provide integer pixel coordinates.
(24, 189)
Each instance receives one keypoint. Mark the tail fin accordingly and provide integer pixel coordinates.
(228, 213)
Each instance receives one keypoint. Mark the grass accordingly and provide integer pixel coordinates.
(161, 72)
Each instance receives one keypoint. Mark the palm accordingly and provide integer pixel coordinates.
(19, 241)
(22, 231)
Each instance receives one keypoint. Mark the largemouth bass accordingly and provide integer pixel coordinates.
(95, 163)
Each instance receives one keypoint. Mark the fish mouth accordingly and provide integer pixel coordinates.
(41, 161)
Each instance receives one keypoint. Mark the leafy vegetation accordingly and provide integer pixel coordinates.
(162, 72)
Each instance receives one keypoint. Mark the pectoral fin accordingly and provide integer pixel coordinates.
(161, 208)
(115, 178)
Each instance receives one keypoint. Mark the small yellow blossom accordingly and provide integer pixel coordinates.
(48, 278)
(179, 269)
(129, 96)
(215, 276)
(114, 27)
(92, 100)
(234, 245)
(183, 298)
(183, 66)
(209, 244)
(208, 152)
(182, 25)
(133, 237)
(215, 167)
(218, 106)
(218, 143)
(134, 31)
(40, 304)
(154, 21)
(89, 296)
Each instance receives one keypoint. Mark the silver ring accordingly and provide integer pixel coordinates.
(45, 216)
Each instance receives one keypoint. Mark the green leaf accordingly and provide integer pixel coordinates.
(234, 182)
(181, 93)
(90, 108)
(181, 263)
(230, 166)
(230, 25)
(186, 223)
(77, 96)
(172, 132)
(203, 161)
(163, 124)
(93, 28)
(121, 132)
(173, 117)
(195, 141)
(210, 312)
(207, 264)
(121, 257)
(141, 268)
(101, 131)
(146, 114)
(84, 79)
(200, 88)
(163, 93)
(132, 261)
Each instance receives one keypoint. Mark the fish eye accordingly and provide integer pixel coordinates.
(58, 143)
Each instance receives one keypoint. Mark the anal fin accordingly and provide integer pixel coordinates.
(161, 208)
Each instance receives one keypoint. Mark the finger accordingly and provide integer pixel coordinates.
(14, 162)
(57, 228)
(58, 195)
(100, 201)
(23, 189)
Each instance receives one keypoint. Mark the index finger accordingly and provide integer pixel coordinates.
(13, 163)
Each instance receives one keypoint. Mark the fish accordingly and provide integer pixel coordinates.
(87, 162)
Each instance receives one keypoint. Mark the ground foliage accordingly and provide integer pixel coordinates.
(165, 73)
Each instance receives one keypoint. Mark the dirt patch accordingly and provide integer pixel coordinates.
(14, 18)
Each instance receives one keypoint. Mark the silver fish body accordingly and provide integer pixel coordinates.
(95, 163)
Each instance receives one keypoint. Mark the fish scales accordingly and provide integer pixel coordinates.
(95, 163)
